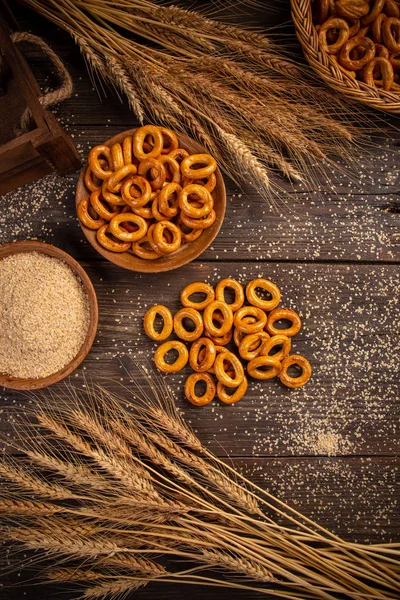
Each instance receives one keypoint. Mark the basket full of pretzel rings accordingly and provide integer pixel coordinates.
(150, 200)
(354, 45)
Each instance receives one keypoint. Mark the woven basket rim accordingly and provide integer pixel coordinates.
(328, 70)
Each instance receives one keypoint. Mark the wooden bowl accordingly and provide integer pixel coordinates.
(15, 383)
(187, 252)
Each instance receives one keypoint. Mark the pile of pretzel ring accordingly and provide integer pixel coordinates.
(148, 195)
(215, 322)
(363, 38)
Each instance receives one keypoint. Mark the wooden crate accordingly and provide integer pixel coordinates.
(45, 147)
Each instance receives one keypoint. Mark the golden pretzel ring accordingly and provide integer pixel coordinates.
(128, 236)
(172, 168)
(143, 211)
(171, 138)
(233, 285)
(374, 12)
(190, 392)
(234, 375)
(127, 150)
(157, 171)
(251, 345)
(94, 161)
(179, 154)
(333, 23)
(203, 223)
(208, 161)
(110, 244)
(139, 139)
(222, 340)
(139, 249)
(208, 182)
(193, 315)
(218, 350)
(239, 335)
(157, 215)
(131, 195)
(115, 181)
(180, 362)
(351, 9)
(376, 28)
(204, 197)
(100, 207)
(254, 367)
(117, 156)
(273, 342)
(188, 235)
(205, 348)
(84, 216)
(167, 200)
(250, 311)
(208, 316)
(158, 241)
(91, 185)
(283, 313)
(236, 396)
(268, 286)
(300, 361)
(386, 69)
(391, 34)
(356, 64)
(110, 196)
(195, 288)
(149, 321)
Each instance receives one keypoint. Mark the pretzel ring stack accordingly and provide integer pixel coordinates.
(363, 38)
(147, 195)
(214, 323)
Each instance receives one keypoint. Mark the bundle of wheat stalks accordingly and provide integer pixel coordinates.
(230, 88)
(116, 493)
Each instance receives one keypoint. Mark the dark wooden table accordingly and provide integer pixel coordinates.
(331, 448)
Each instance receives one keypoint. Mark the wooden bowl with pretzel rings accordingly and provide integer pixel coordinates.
(160, 234)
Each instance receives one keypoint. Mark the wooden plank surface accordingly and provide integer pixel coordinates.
(331, 448)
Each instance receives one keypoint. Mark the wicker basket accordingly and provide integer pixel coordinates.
(326, 68)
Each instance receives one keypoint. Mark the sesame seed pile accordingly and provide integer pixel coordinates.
(44, 315)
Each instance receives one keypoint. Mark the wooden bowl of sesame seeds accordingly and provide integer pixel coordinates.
(88, 335)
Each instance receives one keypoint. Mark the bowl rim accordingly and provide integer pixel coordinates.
(155, 266)
(26, 246)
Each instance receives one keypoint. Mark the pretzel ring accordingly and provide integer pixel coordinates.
(351, 9)
(381, 52)
(198, 159)
(110, 196)
(203, 223)
(250, 311)
(300, 361)
(273, 342)
(158, 240)
(108, 243)
(204, 348)
(232, 377)
(193, 315)
(283, 313)
(157, 172)
(180, 362)
(391, 34)
(237, 394)
(169, 137)
(139, 139)
(233, 285)
(155, 210)
(127, 150)
(178, 154)
(188, 235)
(141, 251)
(395, 60)
(375, 11)
(376, 28)
(333, 23)
(131, 195)
(100, 207)
(202, 195)
(222, 340)
(172, 168)
(197, 287)
(269, 287)
(128, 236)
(117, 156)
(355, 42)
(190, 391)
(321, 11)
(251, 345)
(391, 9)
(218, 350)
(255, 365)
(208, 318)
(387, 73)
(114, 182)
(91, 185)
(84, 216)
(143, 211)
(149, 321)
(94, 161)
(167, 202)
(208, 182)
